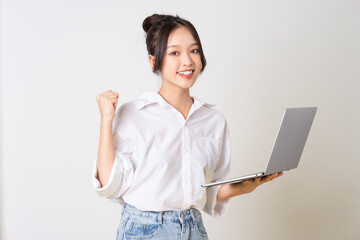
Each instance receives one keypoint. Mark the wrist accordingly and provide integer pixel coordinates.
(238, 189)
(227, 191)
(106, 121)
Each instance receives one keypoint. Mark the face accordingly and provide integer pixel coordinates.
(182, 61)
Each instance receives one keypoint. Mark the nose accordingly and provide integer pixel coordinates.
(187, 60)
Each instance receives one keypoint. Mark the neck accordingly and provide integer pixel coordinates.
(177, 97)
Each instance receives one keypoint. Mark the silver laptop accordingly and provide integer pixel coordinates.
(288, 146)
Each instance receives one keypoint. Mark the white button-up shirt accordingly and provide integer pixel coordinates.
(162, 158)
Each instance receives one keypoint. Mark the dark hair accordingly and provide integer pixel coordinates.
(158, 28)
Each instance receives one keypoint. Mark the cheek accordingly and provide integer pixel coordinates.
(169, 71)
(170, 64)
(197, 60)
(169, 68)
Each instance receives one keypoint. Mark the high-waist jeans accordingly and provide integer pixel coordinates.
(167, 225)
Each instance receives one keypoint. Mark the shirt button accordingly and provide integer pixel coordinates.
(186, 150)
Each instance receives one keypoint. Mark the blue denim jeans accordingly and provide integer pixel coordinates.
(167, 225)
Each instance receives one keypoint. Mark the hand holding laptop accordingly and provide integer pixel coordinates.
(248, 186)
(229, 190)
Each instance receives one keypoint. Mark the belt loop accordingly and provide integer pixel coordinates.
(193, 215)
(160, 218)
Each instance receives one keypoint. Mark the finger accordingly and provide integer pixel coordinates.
(279, 174)
(108, 100)
(270, 177)
(273, 176)
(108, 93)
(107, 97)
(111, 96)
(267, 178)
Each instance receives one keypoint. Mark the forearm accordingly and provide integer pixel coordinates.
(228, 191)
(106, 153)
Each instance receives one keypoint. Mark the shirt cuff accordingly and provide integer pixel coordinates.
(120, 179)
(214, 208)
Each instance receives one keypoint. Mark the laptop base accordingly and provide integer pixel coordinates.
(235, 180)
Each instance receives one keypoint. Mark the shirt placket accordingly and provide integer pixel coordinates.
(186, 166)
(186, 155)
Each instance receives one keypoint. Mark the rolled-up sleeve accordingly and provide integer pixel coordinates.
(213, 207)
(122, 172)
(120, 177)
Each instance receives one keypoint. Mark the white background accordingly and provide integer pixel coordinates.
(263, 56)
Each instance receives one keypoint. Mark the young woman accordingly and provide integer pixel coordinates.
(157, 150)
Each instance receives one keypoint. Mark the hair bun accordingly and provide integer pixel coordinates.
(149, 21)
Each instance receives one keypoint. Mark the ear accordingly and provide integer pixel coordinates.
(152, 61)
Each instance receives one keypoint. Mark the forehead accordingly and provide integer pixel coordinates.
(181, 37)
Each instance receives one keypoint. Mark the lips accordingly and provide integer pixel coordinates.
(186, 73)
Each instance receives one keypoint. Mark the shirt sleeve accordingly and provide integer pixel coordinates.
(122, 172)
(213, 207)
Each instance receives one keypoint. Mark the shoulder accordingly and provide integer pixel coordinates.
(124, 116)
(130, 110)
(214, 114)
(125, 109)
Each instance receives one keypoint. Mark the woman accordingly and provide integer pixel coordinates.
(157, 150)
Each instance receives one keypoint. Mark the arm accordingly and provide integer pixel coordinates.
(234, 189)
(106, 153)
(107, 102)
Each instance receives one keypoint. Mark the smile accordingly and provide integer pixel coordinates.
(186, 74)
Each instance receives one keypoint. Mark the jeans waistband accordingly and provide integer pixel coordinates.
(171, 215)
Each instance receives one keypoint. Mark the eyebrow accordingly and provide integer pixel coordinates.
(170, 46)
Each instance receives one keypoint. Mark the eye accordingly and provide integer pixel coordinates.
(195, 50)
(174, 53)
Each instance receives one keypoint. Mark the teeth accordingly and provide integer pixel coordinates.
(186, 73)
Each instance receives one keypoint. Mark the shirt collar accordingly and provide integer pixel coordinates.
(152, 96)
